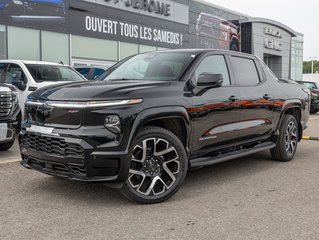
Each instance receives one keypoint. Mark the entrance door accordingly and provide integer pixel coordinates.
(274, 63)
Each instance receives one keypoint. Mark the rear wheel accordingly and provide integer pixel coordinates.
(158, 166)
(6, 146)
(287, 142)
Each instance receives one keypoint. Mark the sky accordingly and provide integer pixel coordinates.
(301, 16)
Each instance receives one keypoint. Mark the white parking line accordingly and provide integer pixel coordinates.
(313, 118)
(9, 161)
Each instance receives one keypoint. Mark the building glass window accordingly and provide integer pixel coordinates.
(49, 41)
(92, 48)
(23, 43)
(127, 49)
(3, 42)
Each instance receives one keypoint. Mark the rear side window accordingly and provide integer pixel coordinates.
(84, 71)
(245, 71)
(98, 72)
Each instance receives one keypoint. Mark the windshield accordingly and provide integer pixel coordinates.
(156, 66)
(53, 73)
(310, 85)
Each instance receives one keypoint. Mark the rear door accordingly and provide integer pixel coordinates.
(215, 113)
(256, 99)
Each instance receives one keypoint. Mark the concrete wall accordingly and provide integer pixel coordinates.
(280, 63)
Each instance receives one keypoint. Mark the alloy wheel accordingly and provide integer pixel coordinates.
(291, 138)
(154, 167)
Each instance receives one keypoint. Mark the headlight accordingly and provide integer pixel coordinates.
(113, 123)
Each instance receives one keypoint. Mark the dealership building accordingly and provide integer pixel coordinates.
(102, 32)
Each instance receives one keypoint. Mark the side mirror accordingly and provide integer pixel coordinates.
(18, 81)
(19, 84)
(210, 80)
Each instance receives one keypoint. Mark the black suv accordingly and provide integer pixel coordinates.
(314, 93)
(10, 116)
(159, 114)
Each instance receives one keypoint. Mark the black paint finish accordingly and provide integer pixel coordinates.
(216, 121)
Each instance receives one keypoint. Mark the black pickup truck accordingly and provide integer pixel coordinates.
(157, 115)
(10, 116)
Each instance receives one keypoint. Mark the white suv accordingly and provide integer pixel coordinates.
(28, 76)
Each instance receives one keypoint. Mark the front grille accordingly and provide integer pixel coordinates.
(51, 145)
(58, 168)
(6, 104)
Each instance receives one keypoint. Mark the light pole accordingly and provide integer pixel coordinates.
(312, 60)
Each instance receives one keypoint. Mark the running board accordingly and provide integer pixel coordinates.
(200, 162)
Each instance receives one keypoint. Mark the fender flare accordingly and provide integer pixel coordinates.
(157, 113)
(289, 104)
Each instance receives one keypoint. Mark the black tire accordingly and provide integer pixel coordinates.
(287, 142)
(6, 146)
(155, 177)
(313, 111)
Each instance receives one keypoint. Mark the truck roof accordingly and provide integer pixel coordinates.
(30, 62)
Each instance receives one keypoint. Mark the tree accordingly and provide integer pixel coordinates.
(307, 67)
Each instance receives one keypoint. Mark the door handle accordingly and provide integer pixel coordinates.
(267, 97)
(233, 98)
(32, 88)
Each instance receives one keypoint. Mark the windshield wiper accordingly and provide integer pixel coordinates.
(122, 79)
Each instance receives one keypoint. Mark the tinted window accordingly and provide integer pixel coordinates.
(84, 71)
(2, 72)
(97, 72)
(15, 73)
(53, 73)
(245, 71)
(215, 64)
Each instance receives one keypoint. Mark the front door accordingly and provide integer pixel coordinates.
(215, 113)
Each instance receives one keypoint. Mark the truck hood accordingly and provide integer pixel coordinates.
(96, 90)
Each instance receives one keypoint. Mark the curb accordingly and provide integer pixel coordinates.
(310, 138)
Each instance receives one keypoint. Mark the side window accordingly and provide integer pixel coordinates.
(2, 72)
(215, 64)
(97, 72)
(15, 73)
(245, 71)
(84, 71)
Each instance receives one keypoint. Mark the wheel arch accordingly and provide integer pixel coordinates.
(174, 119)
(293, 108)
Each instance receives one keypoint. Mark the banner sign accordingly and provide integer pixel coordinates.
(132, 31)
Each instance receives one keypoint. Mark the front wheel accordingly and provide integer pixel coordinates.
(158, 166)
(287, 142)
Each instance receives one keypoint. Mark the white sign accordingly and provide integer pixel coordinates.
(273, 44)
(129, 30)
(272, 32)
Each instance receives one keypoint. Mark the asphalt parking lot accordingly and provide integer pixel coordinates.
(249, 198)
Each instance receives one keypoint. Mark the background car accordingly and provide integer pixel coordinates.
(314, 93)
(28, 76)
(91, 72)
(34, 10)
(215, 32)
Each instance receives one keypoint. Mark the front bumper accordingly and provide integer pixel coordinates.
(12, 132)
(76, 155)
